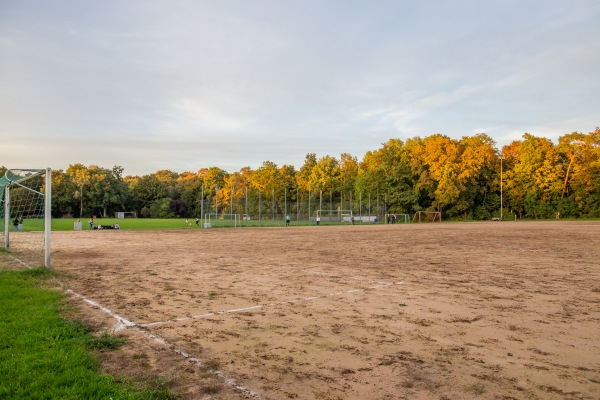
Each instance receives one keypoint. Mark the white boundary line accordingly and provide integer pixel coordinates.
(141, 328)
(219, 374)
(259, 306)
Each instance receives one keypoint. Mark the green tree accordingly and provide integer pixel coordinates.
(107, 190)
(145, 191)
(63, 194)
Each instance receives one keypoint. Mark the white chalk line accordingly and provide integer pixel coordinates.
(125, 322)
(259, 306)
(23, 263)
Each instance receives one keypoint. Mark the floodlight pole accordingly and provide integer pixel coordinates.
(202, 216)
(501, 177)
(309, 205)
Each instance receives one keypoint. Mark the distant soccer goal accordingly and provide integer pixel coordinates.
(427, 216)
(397, 218)
(334, 215)
(211, 219)
(25, 216)
(125, 214)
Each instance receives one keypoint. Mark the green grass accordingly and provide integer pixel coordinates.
(67, 224)
(45, 356)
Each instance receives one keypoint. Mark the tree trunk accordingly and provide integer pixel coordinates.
(567, 177)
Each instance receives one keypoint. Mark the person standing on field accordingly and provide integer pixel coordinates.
(318, 220)
(287, 220)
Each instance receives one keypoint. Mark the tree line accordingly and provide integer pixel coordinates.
(464, 179)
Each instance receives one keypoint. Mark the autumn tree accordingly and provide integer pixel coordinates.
(535, 181)
(324, 177)
(580, 195)
(80, 175)
(479, 165)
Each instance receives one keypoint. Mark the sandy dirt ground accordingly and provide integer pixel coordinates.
(494, 310)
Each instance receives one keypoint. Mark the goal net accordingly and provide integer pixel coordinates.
(334, 215)
(211, 219)
(397, 218)
(25, 217)
(427, 216)
(125, 214)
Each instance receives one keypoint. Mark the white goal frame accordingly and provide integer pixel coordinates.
(334, 215)
(406, 217)
(16, 180)
(430, 216)
(217, 216)
(125, 214)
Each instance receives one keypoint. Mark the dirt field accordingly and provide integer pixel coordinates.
(496, 310)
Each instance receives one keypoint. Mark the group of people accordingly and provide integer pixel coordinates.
(93, 226)
(188, 223)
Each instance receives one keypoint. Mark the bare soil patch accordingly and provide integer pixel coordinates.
(495, 310)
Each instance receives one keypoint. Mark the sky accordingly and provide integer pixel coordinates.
(184, 84)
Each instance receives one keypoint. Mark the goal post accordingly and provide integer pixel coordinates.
(26, 204)
(427, 216)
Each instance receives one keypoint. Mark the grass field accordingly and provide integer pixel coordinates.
(66, 224)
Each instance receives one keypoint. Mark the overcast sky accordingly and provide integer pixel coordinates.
(182, 85)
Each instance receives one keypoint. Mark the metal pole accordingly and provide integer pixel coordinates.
(351, 205)
(321, 199)
(202, 216)
(309, 204)
(6, 216)
(47, 217)
(273, 204)
(259, 203)
(360, 205)
(501, 210)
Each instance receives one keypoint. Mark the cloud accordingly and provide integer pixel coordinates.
(189, 84)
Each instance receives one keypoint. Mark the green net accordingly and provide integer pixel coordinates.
(22, 221)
